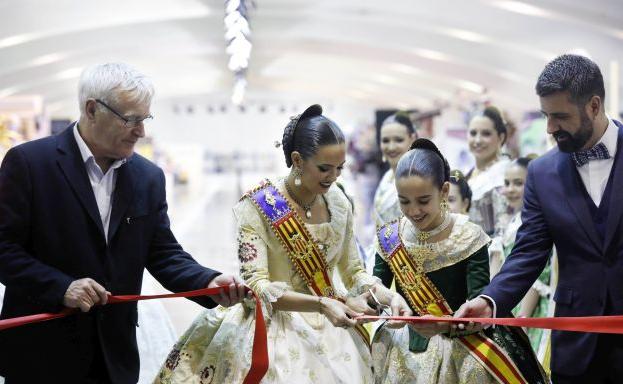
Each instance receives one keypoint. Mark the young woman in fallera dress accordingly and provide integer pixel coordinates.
(485, 136)
(396, 135)
(439, 260)
(297, 252)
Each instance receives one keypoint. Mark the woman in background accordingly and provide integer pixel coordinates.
(397, 134)
(486, 135)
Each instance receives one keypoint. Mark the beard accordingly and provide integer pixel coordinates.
(568, 142)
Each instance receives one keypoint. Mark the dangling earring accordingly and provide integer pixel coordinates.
(444, 206)
(384, 159)
(297, 177)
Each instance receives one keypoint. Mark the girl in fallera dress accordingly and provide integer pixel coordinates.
(439, 260)
(297, 252)
(459, 194)
(537, 301)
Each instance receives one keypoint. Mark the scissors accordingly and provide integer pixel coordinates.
(381, 309)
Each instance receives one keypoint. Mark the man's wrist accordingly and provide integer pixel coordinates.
(491, 303)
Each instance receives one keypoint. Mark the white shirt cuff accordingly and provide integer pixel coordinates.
(493, 305)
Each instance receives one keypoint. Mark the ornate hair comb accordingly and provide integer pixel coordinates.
(456, 175)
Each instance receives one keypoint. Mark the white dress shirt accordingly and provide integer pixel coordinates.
(103, 185)
(595, 173)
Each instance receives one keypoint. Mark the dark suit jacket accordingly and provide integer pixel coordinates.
(556, 212)
(51, 234)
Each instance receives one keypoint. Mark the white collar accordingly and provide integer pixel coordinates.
(86, 153)
(610, 136)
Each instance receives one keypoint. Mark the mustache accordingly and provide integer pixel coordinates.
(561, 135)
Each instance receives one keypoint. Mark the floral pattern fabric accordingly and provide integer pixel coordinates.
(303, 347)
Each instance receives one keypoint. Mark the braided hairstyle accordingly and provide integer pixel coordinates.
(309, 131)
(425, 160)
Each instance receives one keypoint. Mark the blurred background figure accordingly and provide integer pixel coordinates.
(460, 194)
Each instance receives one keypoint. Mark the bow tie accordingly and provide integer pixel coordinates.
(598, 152)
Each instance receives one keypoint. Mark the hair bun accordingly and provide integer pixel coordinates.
(426, 144)
(423, 143)
(311, 111)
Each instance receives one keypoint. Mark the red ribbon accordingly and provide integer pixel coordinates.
(259, 357)
(593, 324)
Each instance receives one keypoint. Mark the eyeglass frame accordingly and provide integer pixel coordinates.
(128, 123)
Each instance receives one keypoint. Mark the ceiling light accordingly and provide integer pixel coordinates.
(466, 35)
(430, 54)
(522, 8)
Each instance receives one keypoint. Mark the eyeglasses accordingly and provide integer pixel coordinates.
(131, 122)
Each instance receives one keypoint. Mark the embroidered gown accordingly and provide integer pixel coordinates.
(488, 203)
(303, 347)
(386, 208)
(459, 269)
(386, 205)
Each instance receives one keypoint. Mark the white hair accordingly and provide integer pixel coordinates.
(107, 81)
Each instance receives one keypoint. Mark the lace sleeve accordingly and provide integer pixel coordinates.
(253, 256)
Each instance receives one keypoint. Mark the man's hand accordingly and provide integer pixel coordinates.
(232, 290)
(84, 294)
(478, 307)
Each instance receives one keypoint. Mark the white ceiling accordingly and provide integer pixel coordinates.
(404, 53)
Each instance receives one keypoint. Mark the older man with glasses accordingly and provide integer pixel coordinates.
(81, 217)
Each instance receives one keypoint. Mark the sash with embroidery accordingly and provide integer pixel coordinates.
(425, 298)
(304, 253)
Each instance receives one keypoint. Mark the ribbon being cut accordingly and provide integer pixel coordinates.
(259, 359)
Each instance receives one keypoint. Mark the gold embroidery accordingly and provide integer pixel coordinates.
(303, 250)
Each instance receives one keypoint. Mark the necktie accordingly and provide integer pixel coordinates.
(598, 152)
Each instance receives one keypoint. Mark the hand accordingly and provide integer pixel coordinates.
(478, 307)
(338, 313)
(360, 304)
(429, 330)
(84, 294)
(399, 308)
(231, 292)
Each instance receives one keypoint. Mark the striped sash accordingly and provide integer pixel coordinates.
(308, 259)
(425, 298)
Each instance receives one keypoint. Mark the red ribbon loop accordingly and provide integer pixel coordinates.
(259, 357)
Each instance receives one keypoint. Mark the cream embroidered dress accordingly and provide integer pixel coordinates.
(386, 205)
(302, 347)
(488, 203)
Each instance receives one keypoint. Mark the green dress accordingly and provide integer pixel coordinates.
(459, 268)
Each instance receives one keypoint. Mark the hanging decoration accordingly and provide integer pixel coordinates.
(238, 38)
